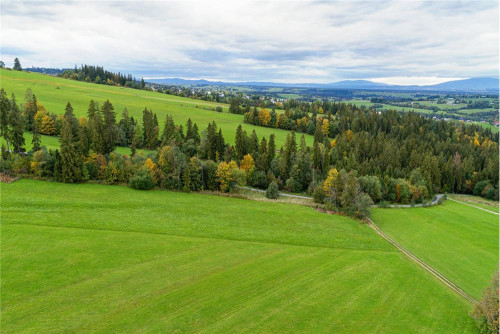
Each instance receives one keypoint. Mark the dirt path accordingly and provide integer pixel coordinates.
(413, 257)
(454, 200)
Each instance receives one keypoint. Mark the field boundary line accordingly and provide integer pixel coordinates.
(427, 267)
(454, 200)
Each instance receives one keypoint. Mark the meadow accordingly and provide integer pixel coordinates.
(459, 241)
(84, 257)
(54, 93)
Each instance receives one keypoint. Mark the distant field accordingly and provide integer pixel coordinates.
(54, 93)
(459, 241)
(369, 104)
(100, 258)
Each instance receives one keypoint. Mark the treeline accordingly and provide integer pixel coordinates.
(386, 157)
(98, 75)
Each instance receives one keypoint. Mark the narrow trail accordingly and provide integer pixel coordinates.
(454, 200)
(427, 267)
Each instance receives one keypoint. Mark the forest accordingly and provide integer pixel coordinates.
(359, 156)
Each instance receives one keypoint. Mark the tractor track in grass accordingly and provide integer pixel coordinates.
(427, 267)
(454, 200)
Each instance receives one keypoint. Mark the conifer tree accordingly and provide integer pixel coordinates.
(36, 138)
(70, 158)
(168, 131)
(4, 117)
(16, 121)
(109, 133)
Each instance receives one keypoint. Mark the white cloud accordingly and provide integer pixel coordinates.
(259, 41)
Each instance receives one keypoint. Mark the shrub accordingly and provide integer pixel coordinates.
(319, 194)
(490, 193)
(272, 191)
(142, 180)
(218, 109)
(486, 311)
(479, 187)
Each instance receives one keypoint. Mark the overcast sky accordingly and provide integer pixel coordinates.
(403, 42)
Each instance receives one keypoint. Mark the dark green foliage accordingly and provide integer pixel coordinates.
(479, 187)
(319, 195)
(71, 164)
(17, 65)
(272, 191)
(142, 180)
(16, 121)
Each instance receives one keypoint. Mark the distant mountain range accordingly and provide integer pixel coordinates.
(465, 85)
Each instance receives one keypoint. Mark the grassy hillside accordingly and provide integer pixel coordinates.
(54, 93)
(111, 259)
(459, 241)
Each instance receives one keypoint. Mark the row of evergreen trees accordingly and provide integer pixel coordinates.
(97, 74)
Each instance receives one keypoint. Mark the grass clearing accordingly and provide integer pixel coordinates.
(112, 259)
(54, 93)
(459, 241)
(477, 201)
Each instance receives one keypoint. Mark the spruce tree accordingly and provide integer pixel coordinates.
(36, 138)
(168, 131)
(109, 132)
(271, 150)
(70, 158)
(16, 121)
(4, 117)
(17, 65)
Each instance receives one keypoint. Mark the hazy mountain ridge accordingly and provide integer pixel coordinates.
(473, 84)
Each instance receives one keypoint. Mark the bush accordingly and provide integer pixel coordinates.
(319, 194)
(218, 109)
(479, 187)
(272, 191)
(142, 180)
(490, 193)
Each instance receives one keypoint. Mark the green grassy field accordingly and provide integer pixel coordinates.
(54, 93)
(459, 241)
(100, 258)
(477, 201)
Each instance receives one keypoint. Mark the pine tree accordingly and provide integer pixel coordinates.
(70, 158)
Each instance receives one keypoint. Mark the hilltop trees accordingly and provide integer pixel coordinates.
(17, 65)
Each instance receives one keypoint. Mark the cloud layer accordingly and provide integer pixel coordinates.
(259, 41)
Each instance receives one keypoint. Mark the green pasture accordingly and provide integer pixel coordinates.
(95, 258)
(459, 241)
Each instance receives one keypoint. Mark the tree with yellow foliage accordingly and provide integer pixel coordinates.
(264, 117)
(333, 143)
(349, 134)
(150, 164)
(325, 128)
(247, 163)
(330, 180)
(224, 176)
